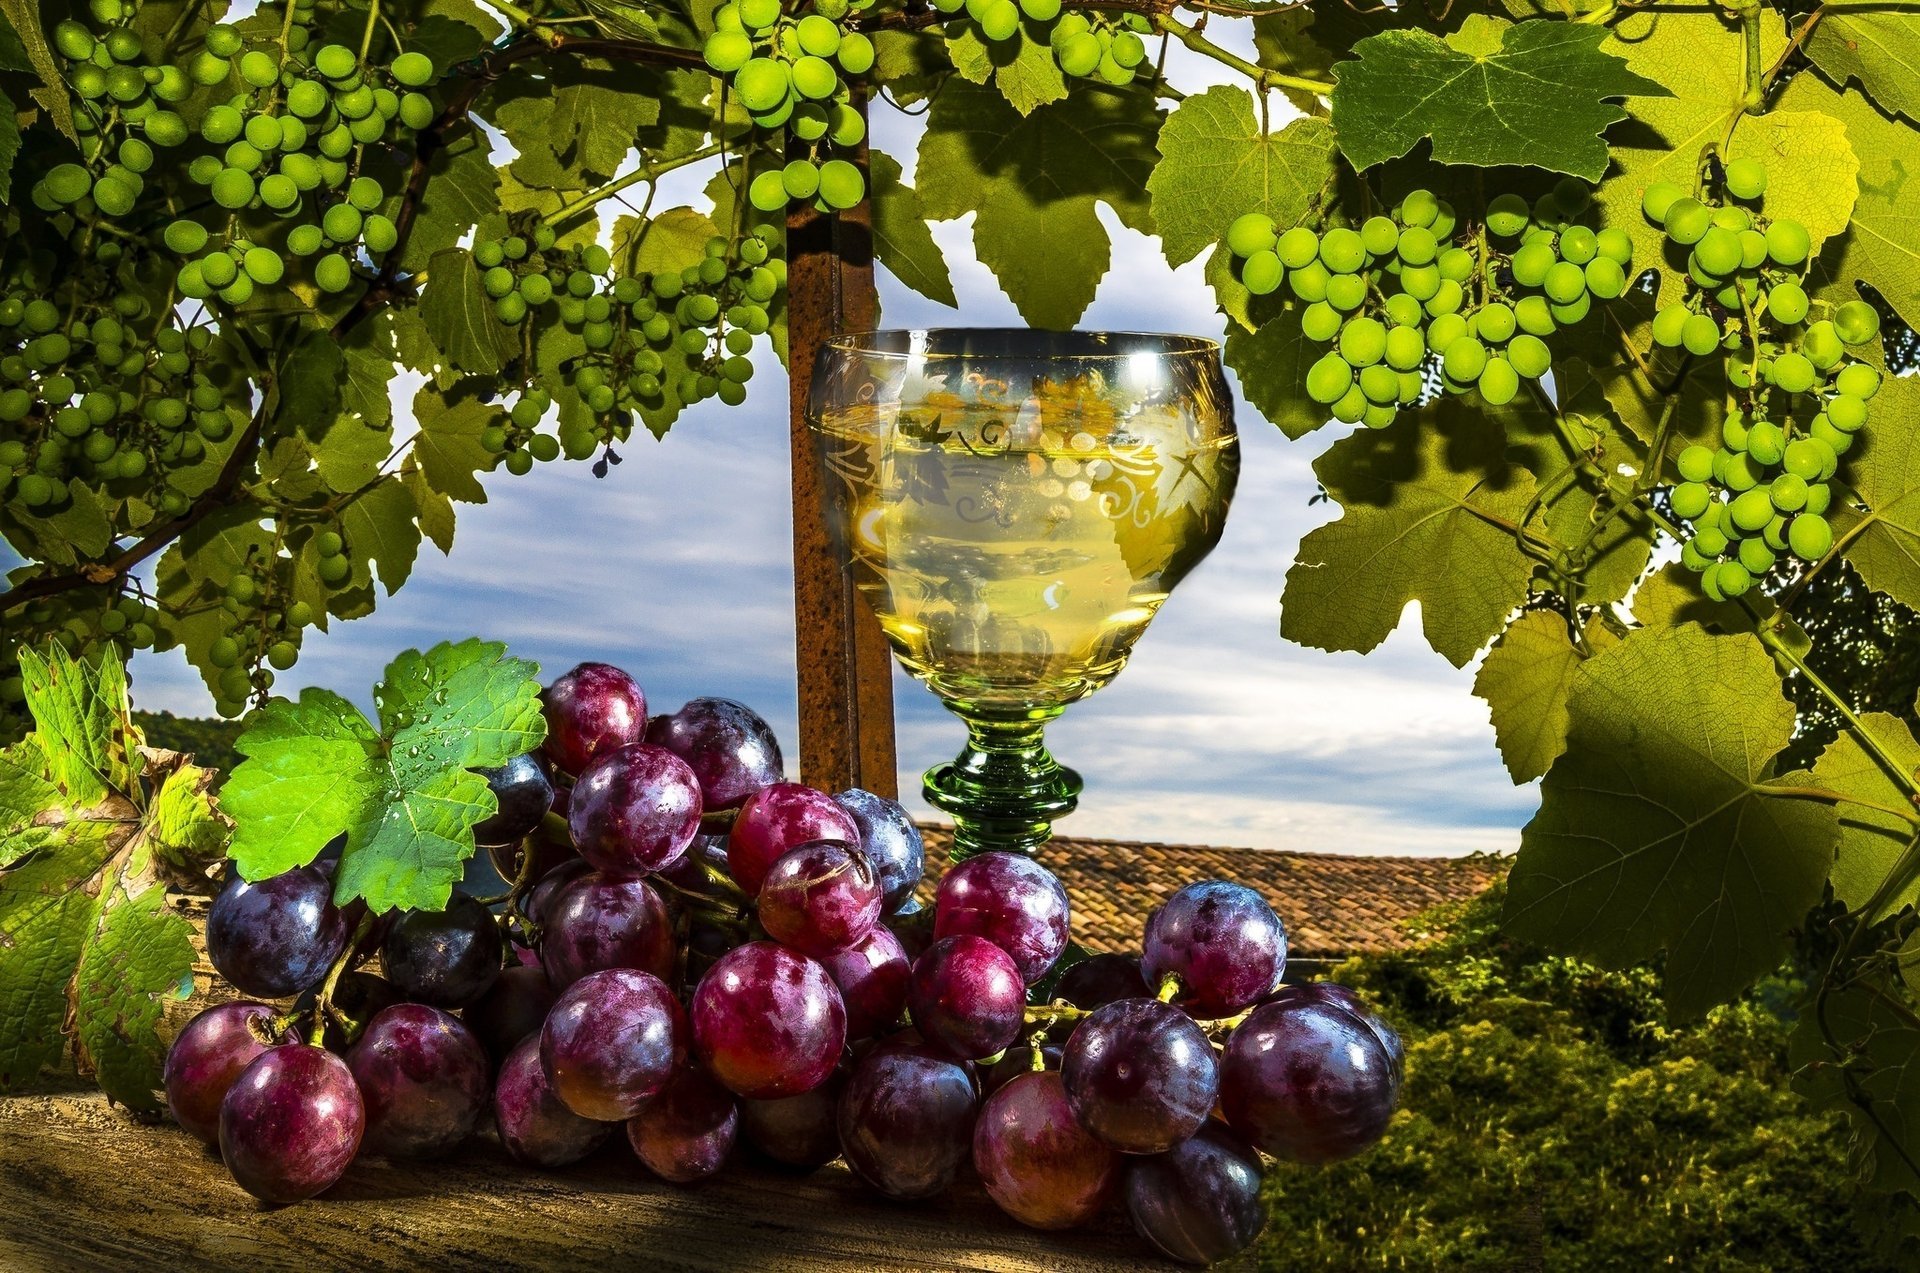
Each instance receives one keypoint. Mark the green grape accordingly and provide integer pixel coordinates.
(1464, 359)
(1709, 541)
(1419, 208)
(1822, 345)
(1855, 322)
(1756, 557)
(1342, 251)
(1690, 499)
(1405, 348)
(1347, 292)
(219, 269)
(1494, 322)
(1732, 578)
(809, 122)
(1298, 247)
(68, 183)
(1846, 412)
(1329, 379)
(768, 190)
(380, 234)
(1788, 492)
(1615, 245)
(1418, 245)
(263, 265)
(414, 70)
(762, 84)
(1379, 235)
(1498, 382)
(1352, 406)
(727, 51)
(1529, 355)
(848, 127)
(1700, 335)
(1444, 330)
(1565, 283)
(233, 188)
(758, 15)
(1578, 244)
(1766, 442)
(1857, 380)
(536, 289)
(1446, 299)
(342, 222)
(1404, 311)
(1752, 509)
(1250, 233)
(185, 237)
(417, 111)
(1605, 279)
(1787, 302)
(800, 179)
(857, 54)
(1819, 498)
(1687, 221)
(1821, 430)
(259, 69)
(1079, 55)
(1746, 179)
(335, 61)
(365, 194)
(1809, 536)
(1443, 221)
(1535, 316)
(1733, 431)
(1319, 322)
(1788, 243)
(1507, 215)
(332, 273)
(1806, 459)
(1532, 263)
(1718, 251)
(815, 77)
(1363, 341)
(1380, 384)
(1422, 282)
(1791, 371)
(1456, 264)
(1309, 282)
(841, 184)
(1753, 249)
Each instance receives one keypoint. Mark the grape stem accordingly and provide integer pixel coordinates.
(1777, 646)
(1262, 77)
(1169, 987)
(324, 1004)
(366, 33)
(646, 172)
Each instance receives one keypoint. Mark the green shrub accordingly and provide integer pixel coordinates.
(1553, 1120)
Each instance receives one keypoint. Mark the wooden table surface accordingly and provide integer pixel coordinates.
(84, 1186)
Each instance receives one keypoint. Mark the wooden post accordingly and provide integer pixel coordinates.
(845, 669)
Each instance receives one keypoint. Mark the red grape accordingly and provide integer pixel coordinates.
(1222, 941)
(733, 751)
(515, 1008)
(1098, 980)
(1308, 1082)
(534, 907)
(966, 997)
(798, 1130)
(423, 1077)
(534, 1126)
(1013, 902)
(906, 1122)
(1140, 1074)
(612, 1040)
(208, 1056)
(278, 936)
(872, 976)
(768, 1022)
(591, 710)
(779, 817)
(446, 958)
(291, 1123)
(635, 809)
(605, 921)
(1339, 996)
(1200, 1201)
(1038, 1163)
(819, 898)
(522, 794)
(685, 1131)
(890, 841)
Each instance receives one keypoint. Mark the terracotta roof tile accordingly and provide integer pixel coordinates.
(1333, 906)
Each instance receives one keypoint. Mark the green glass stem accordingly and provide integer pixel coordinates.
(1004, 790)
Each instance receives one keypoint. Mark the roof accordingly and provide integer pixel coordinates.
(1333, 906)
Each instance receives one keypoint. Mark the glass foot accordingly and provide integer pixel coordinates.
(1004, 790)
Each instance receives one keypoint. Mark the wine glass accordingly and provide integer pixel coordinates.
(1015, 506)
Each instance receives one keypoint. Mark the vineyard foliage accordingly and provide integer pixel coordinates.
(1620, 295)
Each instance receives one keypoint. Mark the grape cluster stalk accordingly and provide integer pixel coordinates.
(705, 959)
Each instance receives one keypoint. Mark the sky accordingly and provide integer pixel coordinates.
(677, 567)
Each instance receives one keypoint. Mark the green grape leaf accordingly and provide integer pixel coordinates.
(1812, 172)
(1878, 50)
(52, 95)
(95, 952)
(1216, 163)
(1272, 363)
(80, 529)
(1296, 40)
(378, 525)
(1872, 1076)
(1539, 99)
(1884, 468)
(1871, 840)
(1884, 245)
(1023, 68)
(306, 390)
(448, 446)
(462, 193)
(1429, 504)
(1654, 831)
(901, 239)
(1525, 680)
(666, 244)
(404, 793)
(1035, 182)
(911, 64)
(1671, 596)
(9, 146)
(459, 315)
(435, 510)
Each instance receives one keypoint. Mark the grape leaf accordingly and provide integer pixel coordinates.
(9, 145)
(1873, 1076)
(1271, 363)
(1023, 68)
(1812, 172)
(1539, 99)
(1871, 842)
(1525, 679)
(378, 526)
(1884, 468)
(1429, 506)
(404, 794)
(1034, 183)
(53, 95)
(1653, 831)
(460, 317)
(901, 240)
(666, 244)
(94, 951)
(1216, 163)
(462, 193)
(448, 445)
(1878, 50)
(1671, 596)
(1295, 40)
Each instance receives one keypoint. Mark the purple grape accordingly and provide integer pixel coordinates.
(1038, 1163)
(516, 1007)
(534, 1126)
(635, 809)
(890, 841)
(777, 818)
(1222, 941)
(423, 1077)
(1013, 902)
(966, 997)
(1140, 1074)
(798, 1130)
(291, 1123)
(1339, 996)
(872, 975)
(1200, 1201)
(605, 921)
(535, 905)
(906, 1122)
(732, 751)
(1308, 1082)
(275, 937)
(590, 711)
(1098, 980)
(768, 1022)
(207, 1056)
(613, 1039)
(1017, 1061)
(818, 898)
(685, 1131)
(523, 793)
(445, 958)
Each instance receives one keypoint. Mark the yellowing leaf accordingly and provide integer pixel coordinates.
(1812, 172)
(1876, 49)
(1871, 841)
(1525, 680)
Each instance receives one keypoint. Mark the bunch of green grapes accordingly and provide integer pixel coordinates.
(786, 71)
(644, 334)
(1092, 45)
(82, 620)
(1800, 398)
(1413, 289)
(121, 111)
(262, 628)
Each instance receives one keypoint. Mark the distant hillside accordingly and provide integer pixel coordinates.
(210, 740)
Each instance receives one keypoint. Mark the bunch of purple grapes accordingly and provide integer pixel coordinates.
(703, 954)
